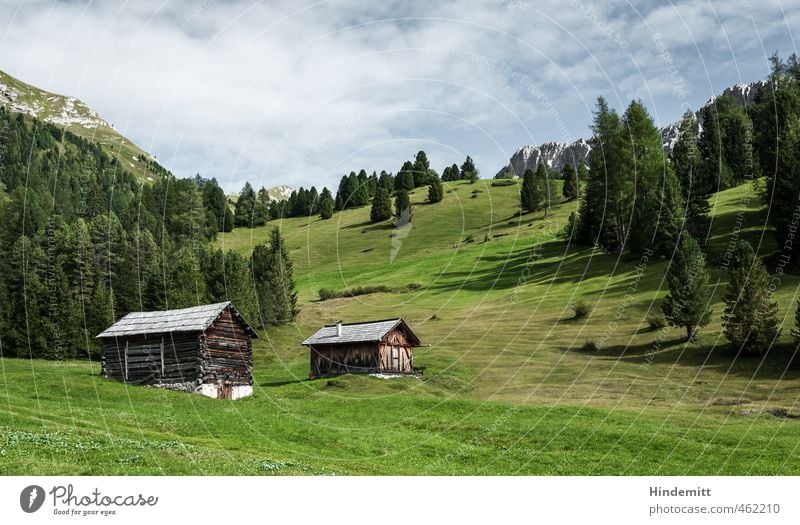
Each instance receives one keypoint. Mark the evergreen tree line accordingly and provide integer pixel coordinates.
(253, 208)
(87, 242)
(636, 197)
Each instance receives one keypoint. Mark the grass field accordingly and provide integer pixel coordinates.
(507, 388)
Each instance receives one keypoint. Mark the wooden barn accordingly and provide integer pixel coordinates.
(205, 349)
(376, 347)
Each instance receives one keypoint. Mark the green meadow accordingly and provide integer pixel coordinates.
(508, 386)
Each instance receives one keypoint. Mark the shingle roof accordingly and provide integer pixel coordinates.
(372, 331)
(194, 319)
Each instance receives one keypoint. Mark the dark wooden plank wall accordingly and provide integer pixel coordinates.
(146, 363)
(226, 352)
(360, 358)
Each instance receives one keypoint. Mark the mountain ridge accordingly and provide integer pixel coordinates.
(556, 154)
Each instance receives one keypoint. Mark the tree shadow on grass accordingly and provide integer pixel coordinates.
(371, 226)
(549, 263)
(779, 363)
(272, 384)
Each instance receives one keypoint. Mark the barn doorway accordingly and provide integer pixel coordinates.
(395, 359)
(225, 390)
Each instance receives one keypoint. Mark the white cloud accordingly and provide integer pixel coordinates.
(302, 93)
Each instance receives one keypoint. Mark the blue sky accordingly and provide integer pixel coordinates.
(300, 93)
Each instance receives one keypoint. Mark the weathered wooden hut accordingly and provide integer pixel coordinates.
(376, 347)
(205, 349)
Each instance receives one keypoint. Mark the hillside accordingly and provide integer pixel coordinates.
(506, 388)
(75, 116)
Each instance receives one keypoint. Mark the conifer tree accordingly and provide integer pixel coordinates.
(570, 189)
(326, 204)
(582, 177)
(647, 190)
(530, 197)
(421, 167)
(546, 185)
(405, 177)
(713, 164)
(273, 281)
(687, 303)
(695, 186)
(750, 319)
(435, 190)
(468, 170)
(245, 205)
(776, 119)
(386, 181)
(402, 206)
(361, 197)
(381, 206)
(602, 220)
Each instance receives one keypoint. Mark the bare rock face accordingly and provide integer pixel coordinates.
(552, 154)
(557, 154)
(280, 193)
(55, 109)
(744, 94)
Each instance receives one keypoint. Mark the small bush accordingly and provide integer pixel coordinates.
(656, 321)
(326, 293)
(590, 346)
(504, 182)
(581, 309)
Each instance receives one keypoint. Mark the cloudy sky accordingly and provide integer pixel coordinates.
(301, 92)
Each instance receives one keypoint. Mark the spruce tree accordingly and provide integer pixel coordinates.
(372, 185)
(381, 206)
(582, 177)
(260, 272)
(402, 206)
(386, 181)
(545, 180)
(737, 140)
(750, 319)
(695, 186)
(245, 205)
(711, 143)
(326, 204)
(570, 189)
(361, 197)
(435, 190)
(776, 119)
(530, 197)
(687, 303)
(468, 170)
(405, 177)
(271, 269)
(421, 167)
(602, 219)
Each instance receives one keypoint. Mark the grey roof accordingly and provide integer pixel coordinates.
(194, 319)
(372, 331)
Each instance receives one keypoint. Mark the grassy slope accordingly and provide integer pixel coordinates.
(112, 142)
(506, 388)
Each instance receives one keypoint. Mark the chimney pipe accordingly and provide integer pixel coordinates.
(338, 329)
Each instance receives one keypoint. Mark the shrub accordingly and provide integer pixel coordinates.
(326, 293)
(656, 321)
(581, 309)
(590, 346)
(504, 182)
